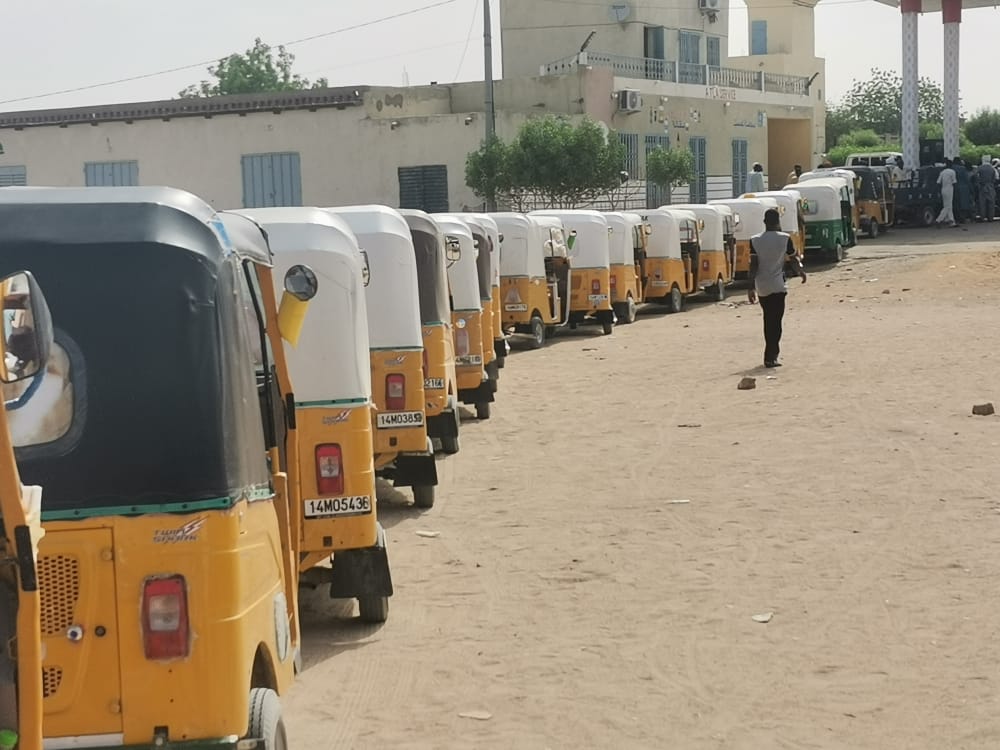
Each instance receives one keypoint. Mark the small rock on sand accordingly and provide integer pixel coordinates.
(747, 384)
(983, 410)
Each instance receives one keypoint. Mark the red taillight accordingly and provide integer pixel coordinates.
(595, 286)
(329, 470)
(165, 627)
(462, 342)
(427, 366)
(395, 392)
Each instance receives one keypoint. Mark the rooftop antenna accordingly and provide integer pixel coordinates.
(491, 113)
(587, 41)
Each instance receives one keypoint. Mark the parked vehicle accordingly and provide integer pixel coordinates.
(793, 221)
(872, 160)
(749, 213)
(665, 278)
(628, 243)
(166, 571)
(404, 452)
(829, 216)
(434, 252)
(589, 258)
(468, 319)
(500, 346)
(873, 196)
(918, 202)
(715, 265)
(849, 178)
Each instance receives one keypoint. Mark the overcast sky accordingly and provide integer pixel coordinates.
(59, 45)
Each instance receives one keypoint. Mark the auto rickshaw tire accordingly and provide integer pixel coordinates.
(265, 719)
(675, 300)
(449, 445)
(423, 496)
(608, 325)
(538, 332)
(837, 254)
(483, 410)
(719, 291)
(927, 216)
(631, 310)
(373, 609)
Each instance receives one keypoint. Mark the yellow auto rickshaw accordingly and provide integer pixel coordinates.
(534, 299)
(500, 346)
(330, 369)
(473, 342)
(434, 252)
(403, 450)
(793, 223)
(628, 240)
(25, 344)
(167, 569)
(665, 279)
(589, 259)
(713, 270)
(750, 214)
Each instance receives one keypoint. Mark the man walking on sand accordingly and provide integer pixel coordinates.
(769, 251)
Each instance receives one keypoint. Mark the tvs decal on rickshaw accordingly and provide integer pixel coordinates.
(186, 533)
(395, 361)
(337, 418)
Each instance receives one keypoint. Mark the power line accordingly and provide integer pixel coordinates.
(468, 38)
(203, 63)
(404, 53)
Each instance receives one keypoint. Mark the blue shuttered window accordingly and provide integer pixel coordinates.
(690, 48)
(739, 166)
(272, 180)
(713, 49)
(424, 188)
(631, 143)
(655, 195)
(111, 173)
(758, 37)
(699, 187)
(13, 176)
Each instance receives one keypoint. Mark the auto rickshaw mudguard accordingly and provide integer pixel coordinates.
(414, 470)
(362, 572)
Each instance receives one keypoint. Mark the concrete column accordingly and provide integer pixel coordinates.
(911, 84)
(951, 14)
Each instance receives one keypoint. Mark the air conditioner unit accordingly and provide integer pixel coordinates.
(710, 6)
(629, 100)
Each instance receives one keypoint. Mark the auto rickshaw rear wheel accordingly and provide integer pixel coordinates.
(265, 719)
(483, 410)
(423, 496)
(449, 445)
(537, 332)
(872, 229)
(927, 216)
(718, 290)
(608, 326)
(631, 310)
(837, 254)
(373, 608)
(675, 300)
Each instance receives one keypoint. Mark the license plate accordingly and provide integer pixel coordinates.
(472, 359)
(598, 298)
(386, 420)
(516, 308)
(661, 283)
(434, 384)
(336, 507)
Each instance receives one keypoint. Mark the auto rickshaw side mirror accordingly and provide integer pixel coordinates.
(366, 269)
(571, 240)
(500, 237)
(648, 229)
(452, 249)
(301, 285)
(27, 328)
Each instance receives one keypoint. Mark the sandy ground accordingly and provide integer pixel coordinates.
(608, 536)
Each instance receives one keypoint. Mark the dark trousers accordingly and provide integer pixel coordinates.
(773, 306)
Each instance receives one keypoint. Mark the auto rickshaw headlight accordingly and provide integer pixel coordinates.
(301, 282)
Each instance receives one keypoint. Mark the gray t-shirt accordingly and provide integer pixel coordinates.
(771, 250)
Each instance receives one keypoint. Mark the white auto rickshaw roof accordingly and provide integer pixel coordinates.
(823, 174)
(591, 248)
(392, 294)
(522, 252)
(821, 199)
(787, 203)
(247, 235)
(665, 239)
(713, 233)
(751, 213)
(490, 225)
(331, 361)
(463, 278)
(622, 243)
(482, 240)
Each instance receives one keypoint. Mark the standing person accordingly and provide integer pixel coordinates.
(769, 251)
(793, 176)
(987, 177)
(755, 180)
(947, 180)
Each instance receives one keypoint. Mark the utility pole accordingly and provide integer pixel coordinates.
(491, 114)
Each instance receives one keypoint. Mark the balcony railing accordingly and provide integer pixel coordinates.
(698, 75)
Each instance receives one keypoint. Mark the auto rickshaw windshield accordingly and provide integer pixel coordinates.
(432, 272)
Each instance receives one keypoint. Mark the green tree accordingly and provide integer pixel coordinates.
(557, 163)
(983, 128)
(669, 168)
(256, 71)
(877, 102)
(839, 123)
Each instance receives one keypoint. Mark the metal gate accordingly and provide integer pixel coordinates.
(272, 180)
(740, 168)
(424, 188)
(656, 196)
